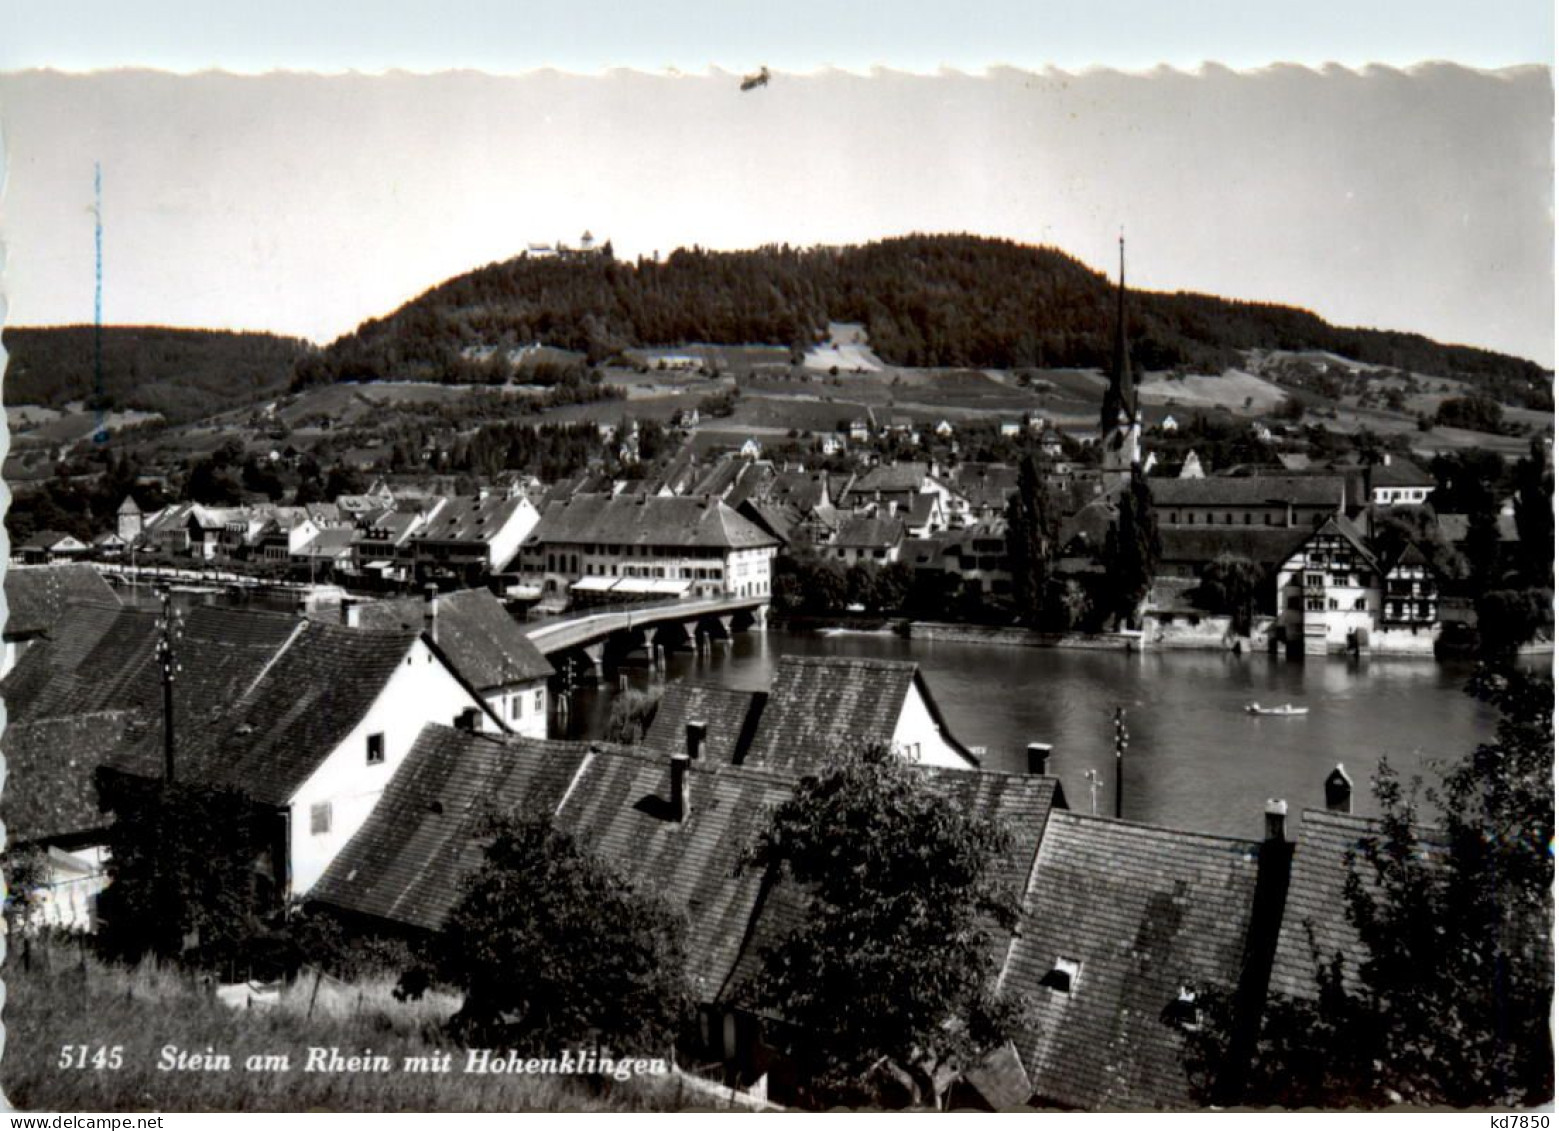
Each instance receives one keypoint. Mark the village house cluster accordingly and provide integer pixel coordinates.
(368, 736)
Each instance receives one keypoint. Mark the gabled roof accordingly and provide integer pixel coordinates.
(730, 715)
(1250, 491)
(1267, 546)
(1317, 904)
(407, 862)
(628, 520)
(278, 730)
(818, 703)
(49, 788)
(36, 596)
(478, 637)
(922, 508)
(1022, 804)
(102, 658)
(1143, 911)
(892, 477)
(1400, 473)
(1337, 524)
(619, 802)
(466, 519)
(47, 540)
(332, 542)
(867, 533)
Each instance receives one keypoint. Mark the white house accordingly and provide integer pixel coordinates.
(1329, 591)
(596, 546)
(471, 536)
(1399, 483)
(484, 645)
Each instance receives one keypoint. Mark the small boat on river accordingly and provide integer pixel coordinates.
(1285, 709)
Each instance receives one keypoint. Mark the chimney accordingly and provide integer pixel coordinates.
(430, 611)
(1277, 820)
(679, 768)
(469, 720)
(1039, 757)
(696, 732)
(1339, 791)
(351, 613)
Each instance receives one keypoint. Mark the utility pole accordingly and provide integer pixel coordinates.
(171, 628)
(1120, 752)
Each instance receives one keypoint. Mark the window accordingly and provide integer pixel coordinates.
(375, 749)
(1358, 604)
(1331, 603)
(516, 705)
(541, 699)
(1062, 976)
(1247, 518)
(319, 818)
(1314, 605)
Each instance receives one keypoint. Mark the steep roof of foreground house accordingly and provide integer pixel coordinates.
(408, 861)
(36, 596)
(1121, 919)
(622, 802)
(103, 658)
(648, 520)
(475, 632)
(729, 716)
(817, 703)
(50, 767)
(1315, 917)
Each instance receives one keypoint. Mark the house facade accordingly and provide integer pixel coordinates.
(657, 545)
(1329, 591)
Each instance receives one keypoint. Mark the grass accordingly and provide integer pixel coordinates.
(60, 996)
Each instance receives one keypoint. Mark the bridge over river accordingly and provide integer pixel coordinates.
(604, 638)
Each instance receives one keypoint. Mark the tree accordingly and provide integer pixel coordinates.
(632, 713)
(1451, 1000)
(1483, 545)
(1228, 586)
(1535, 515)
(1033, 531)
(894, 960)
(555, 949)
(1131, 548)
(181, 866)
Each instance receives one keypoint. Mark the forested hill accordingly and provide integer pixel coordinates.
(183, 374)
(926, 301)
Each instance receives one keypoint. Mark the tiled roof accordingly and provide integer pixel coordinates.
(475, 632)
(47, 540)
(1400, 473)
(104, 659)
(332, 542)
(802, 489)
(1265, 545)
(620, 800)
(49, 787)
(863, 532)
(1020, 803)
(730, 715)
(311, 695)
(892, 477)
(467, 519)
(1143, 911)
(629, 520)
(407, 862)
(1250, 491)
(36, 596)
(818, 703)
(1316, 902)
(922, 508)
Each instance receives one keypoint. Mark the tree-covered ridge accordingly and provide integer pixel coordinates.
(949, 300)
(182, 374)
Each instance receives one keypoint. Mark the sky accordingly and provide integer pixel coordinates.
(1350, 178)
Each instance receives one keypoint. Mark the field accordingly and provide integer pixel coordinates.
(58, 996)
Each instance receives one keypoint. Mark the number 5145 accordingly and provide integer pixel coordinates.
(85, 1056)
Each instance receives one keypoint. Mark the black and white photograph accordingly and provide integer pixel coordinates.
(777, 558)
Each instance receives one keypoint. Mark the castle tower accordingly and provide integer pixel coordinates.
(1120, 425)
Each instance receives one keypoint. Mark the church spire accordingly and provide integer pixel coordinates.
(1120, 400)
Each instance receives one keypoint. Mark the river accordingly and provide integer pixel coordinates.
(1194, 759)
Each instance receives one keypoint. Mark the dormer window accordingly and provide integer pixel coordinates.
(1062, 976)
(1184, 1012)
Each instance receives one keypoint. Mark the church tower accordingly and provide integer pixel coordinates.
(1120, 426)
